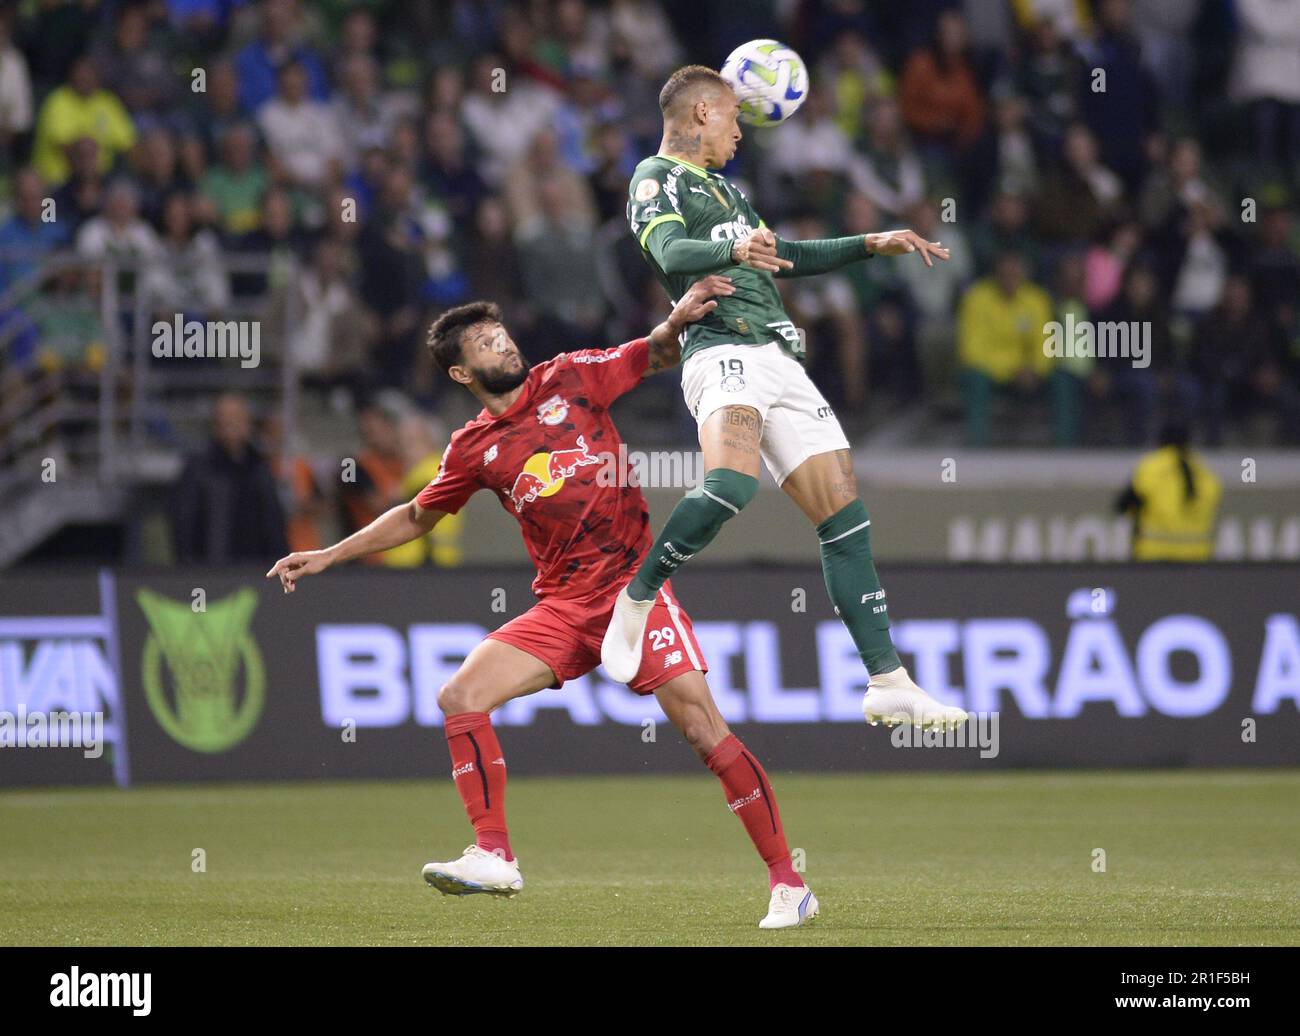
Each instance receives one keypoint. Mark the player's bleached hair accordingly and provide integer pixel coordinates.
(445, 332)
(684, 85)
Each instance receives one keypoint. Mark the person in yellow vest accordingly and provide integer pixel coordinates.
(419, 444)
(80, 108)
(1173, 499)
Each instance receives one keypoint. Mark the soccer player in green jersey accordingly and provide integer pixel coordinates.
(744, 381)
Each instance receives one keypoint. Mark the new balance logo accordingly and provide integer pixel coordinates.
(461, 770)
(745, 800)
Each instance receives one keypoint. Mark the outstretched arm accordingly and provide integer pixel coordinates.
(699, 301)
(396, 526)
(825, 254)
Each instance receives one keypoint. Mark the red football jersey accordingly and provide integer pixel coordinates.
(552, 460)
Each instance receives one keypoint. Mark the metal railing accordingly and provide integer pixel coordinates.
(128, 418)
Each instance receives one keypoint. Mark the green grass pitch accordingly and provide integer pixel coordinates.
(1192, 858)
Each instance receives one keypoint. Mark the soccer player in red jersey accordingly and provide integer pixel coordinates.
(539, 445)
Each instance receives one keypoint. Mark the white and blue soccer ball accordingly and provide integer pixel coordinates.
(770, 81)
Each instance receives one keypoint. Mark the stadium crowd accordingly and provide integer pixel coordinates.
(1115, 160)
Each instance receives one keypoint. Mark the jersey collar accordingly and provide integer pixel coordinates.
(689, 165)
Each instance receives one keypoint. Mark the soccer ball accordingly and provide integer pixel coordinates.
(770, 81)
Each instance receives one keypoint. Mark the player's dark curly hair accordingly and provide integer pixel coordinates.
(682, 83)
(445, 332)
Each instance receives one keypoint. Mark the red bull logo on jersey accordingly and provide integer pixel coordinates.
(553, 411)
(544, 474)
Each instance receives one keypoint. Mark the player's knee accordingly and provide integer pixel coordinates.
(703, 729)
(457, 696)
(728, 492)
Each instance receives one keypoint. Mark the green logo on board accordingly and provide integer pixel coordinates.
(217, 684)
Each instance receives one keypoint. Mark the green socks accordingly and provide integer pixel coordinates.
(691, 527)
(854, 587)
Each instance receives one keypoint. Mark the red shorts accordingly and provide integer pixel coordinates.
(566, 635)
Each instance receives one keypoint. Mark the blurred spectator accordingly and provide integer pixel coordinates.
(1107, 260)
(82, 196)
(1234, 349)
(1002, 322)
(277, 241)
(188, 273)
(1080, 194)
(304, 503)
(1006, 229)
(56, 36)
(157, 172)
(1179, 185)
(137, 68)
(888, 170)
(543, 167)
(827, 309)
(655, 51)
(236, 183)
(1197, 252)
(15, 88)
(504, 122)
(939, 93)
(1266, 77)
(1275, 265)
(260, 64)
(226, 506)
(556, 259)
(364, 113)
(421, 447)
(119, 234)
(1122, 109)
(1166, 376)
(855, 77)
(217, 108)
(1015, 162)
(448, 172)
(1173, 500)
(814, 142)
(492, 264)
(80, 108)
(302, 134)
(1046, 76)
(379, 468)
(27, 236)
(588, 106)
(614, 166)
(934, 299)
(332, 329)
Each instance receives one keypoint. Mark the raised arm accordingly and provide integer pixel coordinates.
(698, 302)
(397, 525)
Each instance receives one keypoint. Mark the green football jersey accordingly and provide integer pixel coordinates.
(669, 190)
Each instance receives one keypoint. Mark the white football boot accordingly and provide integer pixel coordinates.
(892, 698)
(476, 871)
(790, 907)
(621, 648)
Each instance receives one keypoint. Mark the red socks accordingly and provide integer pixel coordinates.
(479, 770)
(749, 796)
